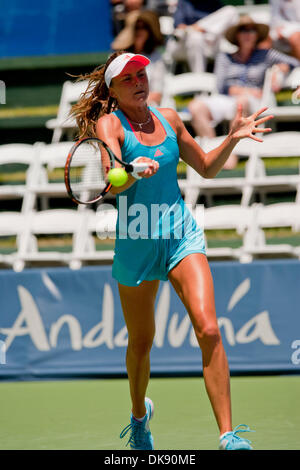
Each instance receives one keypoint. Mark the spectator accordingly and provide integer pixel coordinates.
(199, 26)
(120, 9)
(142, 35)
(240, 78)
(285, 21)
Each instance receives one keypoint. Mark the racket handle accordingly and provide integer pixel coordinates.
(142, 166)
(137, 167)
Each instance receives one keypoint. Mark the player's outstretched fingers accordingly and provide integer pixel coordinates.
(239, 112)
(262, 129)
(260, 111)
(260, 121)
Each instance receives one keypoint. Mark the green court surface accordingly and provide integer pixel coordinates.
(89, 414)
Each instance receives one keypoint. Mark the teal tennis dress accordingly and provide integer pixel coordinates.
(155, 229)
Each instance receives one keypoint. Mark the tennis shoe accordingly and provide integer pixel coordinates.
(140, 435)
(231, 441)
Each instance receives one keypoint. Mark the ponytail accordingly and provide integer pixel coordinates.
(95, 101)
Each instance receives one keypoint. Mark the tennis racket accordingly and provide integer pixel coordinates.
(86, 169)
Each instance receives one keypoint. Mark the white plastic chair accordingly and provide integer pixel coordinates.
(224, 217)
(11, 154)
(103, 224)
(271, 216)
(285, 112)
(195, 185)
(51, 157)
(23, 154)
(48, 222)
(281, 144)
(63, 123)
(11, 225)
(186, 84)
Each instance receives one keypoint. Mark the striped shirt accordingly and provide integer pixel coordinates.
(230, 72)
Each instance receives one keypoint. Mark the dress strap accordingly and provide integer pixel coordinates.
(168, 128)
(123, 119)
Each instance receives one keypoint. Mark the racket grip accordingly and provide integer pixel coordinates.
(138, 167)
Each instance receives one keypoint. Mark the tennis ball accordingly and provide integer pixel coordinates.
(117, 176)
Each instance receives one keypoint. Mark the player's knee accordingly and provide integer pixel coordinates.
(197, 107)
(199, 110)
(208, 335)
(294, 39)
(140, 346)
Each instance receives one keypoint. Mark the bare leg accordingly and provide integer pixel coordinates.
(294, 41)
(192, 280)
(201, 122)
(138, 309)
(201, 119)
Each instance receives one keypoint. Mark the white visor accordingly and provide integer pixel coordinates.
(117, 65)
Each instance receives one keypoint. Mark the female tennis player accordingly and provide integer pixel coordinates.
(115, 110)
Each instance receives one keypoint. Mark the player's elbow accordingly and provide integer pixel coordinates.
(209, 169)
(206, 171)
(209, 173)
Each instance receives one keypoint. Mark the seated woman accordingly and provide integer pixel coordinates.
(240, 79)
(142, 35)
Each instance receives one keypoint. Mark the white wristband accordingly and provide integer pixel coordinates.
(136, 171)
(136, 175)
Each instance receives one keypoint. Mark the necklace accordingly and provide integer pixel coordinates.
(141, 124)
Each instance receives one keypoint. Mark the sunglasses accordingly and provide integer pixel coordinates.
(247, 29)
(141, 26)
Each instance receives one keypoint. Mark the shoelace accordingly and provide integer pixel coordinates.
(136, 436)
(239, 429)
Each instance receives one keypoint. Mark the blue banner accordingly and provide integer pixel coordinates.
(35, 28)
(61, 323)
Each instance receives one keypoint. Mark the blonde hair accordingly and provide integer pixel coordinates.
(95, 101)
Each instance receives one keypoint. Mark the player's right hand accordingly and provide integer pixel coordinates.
(152, 168)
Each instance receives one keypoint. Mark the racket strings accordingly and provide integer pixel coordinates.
(88, 172)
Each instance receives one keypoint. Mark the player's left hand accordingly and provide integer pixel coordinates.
(249, 126)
